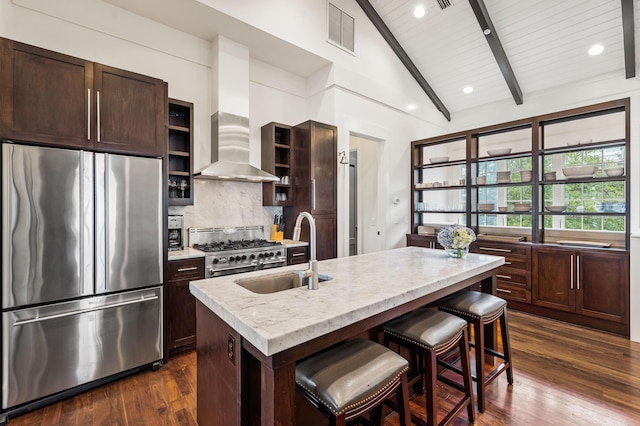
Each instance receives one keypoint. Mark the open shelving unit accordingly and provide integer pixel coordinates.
(180, 153)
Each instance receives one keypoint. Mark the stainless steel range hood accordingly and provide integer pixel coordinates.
(230, 151)
(230, 123)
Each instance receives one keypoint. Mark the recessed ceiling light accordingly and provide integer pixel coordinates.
(596, 49)
(468, 89)
(411, 107)
(419, 11)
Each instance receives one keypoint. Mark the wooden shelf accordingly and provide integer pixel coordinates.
(276, 159)
(180, 152)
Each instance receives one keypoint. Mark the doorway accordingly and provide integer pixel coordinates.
(366, 218)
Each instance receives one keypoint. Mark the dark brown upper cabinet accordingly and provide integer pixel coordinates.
(50, 98)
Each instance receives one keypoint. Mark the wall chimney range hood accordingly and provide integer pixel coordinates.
(230, 147)
(230, 151)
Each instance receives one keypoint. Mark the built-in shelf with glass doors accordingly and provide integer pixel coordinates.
(557, 178)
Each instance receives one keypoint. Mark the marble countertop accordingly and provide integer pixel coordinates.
(362, 286)
(187, 253)
(294, 243)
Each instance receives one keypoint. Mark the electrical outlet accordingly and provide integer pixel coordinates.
(231, 349)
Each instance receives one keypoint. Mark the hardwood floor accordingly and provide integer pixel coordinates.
(563, 375)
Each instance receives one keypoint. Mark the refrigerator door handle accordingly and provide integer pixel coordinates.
(84, 311)
(101, 224)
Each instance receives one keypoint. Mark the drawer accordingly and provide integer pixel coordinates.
(186, 268)
(518, 263)
(509, 251)
(512, 277)
(297, 255)
(515, 293)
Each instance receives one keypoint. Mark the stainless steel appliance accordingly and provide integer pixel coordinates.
(235, 250)
(82, 268)
(174, 225)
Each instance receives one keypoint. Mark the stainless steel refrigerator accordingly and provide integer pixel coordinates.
(82, 268)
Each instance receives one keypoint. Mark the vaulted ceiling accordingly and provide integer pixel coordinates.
(505, 48)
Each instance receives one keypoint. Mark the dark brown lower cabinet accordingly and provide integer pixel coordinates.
(297, 255)
(586, 282)
(180, 312)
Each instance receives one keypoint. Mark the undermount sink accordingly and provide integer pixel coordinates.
(273, 283)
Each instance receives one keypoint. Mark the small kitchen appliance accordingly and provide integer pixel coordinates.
(174, 225)
(235, 250)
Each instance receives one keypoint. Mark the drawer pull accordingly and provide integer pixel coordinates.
(495, 249)
(502, 290)
(504, 277)
(507, 263)
(297, 254)
(191, 268)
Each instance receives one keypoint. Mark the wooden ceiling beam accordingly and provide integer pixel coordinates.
(628, 34)
(385, 32)
(482, 15)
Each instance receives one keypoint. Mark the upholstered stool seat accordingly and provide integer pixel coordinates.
(431, 333)
(352, 378)
(482, 309)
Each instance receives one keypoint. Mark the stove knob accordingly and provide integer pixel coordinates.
(271, 254)
(279, 253)
(253, 256)
(232, 259)
(238, 258)
(261, 255)
(216, 261)
(244, 257)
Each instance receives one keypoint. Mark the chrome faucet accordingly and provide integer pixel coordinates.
(312, 272)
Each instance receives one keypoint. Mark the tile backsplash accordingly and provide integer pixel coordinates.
(220, 203)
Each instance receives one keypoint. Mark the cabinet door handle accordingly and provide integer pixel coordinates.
(88, 114)
(495, 249)
(313, 194)
(504, 277)
(297, 254)
(502, 290)
(578, 272)
(191, 268)
(98, 114)
(572, 272)
(507, 263)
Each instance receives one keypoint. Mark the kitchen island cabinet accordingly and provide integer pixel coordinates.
(50, 98)
(248, 343)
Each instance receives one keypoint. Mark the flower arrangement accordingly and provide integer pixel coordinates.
(456, 239)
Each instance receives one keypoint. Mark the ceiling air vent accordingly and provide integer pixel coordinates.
(444, 4)
(341, 28)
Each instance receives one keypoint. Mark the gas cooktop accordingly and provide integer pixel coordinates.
(234, 245)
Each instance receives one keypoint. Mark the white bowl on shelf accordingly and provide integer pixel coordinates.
(499, 151)
(556, 209)
(486, 207)
(550, 176)
(614, 171)
(525, 175)
(436, 160)
(579, 172)
(521, 207)
(481, 180)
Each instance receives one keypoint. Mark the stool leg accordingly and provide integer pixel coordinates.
(402, 397)
(478, 329)
(466, 374)
(430, 375)
(506, 345)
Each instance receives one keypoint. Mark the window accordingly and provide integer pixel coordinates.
(341, 28)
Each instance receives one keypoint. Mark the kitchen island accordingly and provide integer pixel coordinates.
(248, 343)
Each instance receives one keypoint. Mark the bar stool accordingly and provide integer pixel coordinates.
(481, 309)
(432, 333)
(348, 380)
